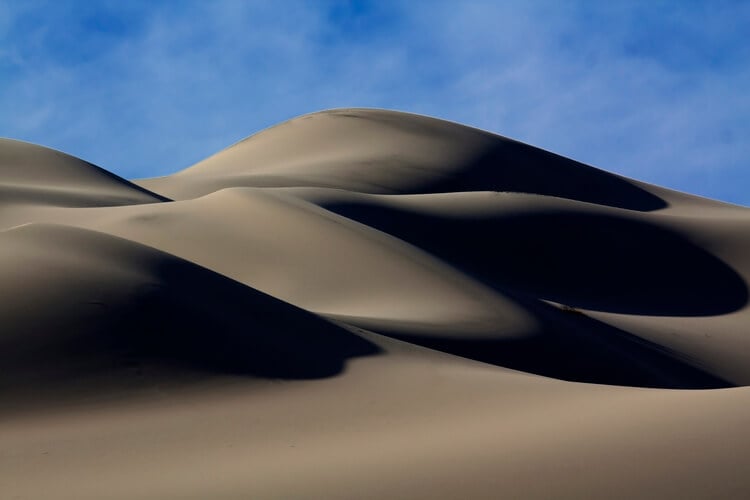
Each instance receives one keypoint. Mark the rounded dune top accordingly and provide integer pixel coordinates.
(391, 152)
(29, 172)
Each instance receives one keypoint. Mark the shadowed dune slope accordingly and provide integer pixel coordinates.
(369, 303)
(113, 315)
(573, 254)
(475, 295)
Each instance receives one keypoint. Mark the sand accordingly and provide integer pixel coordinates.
(369, 304)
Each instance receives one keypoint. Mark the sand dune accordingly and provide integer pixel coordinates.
(367, 304)
(37, 175)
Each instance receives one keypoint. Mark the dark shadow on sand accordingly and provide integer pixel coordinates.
(588, 261)
(569, 346)
(512, 166)
(188, 326)
(202, 319)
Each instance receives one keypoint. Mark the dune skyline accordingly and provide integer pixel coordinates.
(649, 91)
(366, 303)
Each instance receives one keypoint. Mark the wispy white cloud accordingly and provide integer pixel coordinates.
(651, 90)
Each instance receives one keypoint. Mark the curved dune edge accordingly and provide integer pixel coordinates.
(36, 175)
(369, 303)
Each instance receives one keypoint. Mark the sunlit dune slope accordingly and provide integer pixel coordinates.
(38, 175)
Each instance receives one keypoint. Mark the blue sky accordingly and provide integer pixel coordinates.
(658, 91)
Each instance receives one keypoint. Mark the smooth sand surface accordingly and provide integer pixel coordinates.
(369, 304)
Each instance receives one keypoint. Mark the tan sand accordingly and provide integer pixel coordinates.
(369, 304)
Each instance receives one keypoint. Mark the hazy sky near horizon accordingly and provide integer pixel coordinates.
(653, 90)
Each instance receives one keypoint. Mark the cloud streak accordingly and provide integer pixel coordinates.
(653, 91)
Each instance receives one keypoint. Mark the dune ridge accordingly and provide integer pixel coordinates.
(358, 294)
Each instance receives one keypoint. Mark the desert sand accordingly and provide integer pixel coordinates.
(365, 303)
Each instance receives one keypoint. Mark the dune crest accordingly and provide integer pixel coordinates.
(358, 294)
(37, 175)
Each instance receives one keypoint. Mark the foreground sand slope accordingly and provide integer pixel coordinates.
(365, 303)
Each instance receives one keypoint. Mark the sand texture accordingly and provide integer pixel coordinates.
(369, 304)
